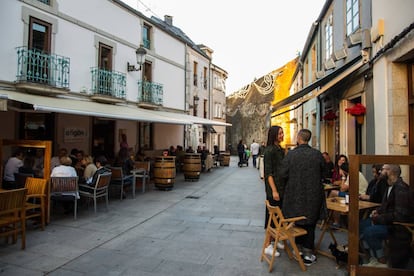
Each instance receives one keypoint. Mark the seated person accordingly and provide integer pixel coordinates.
(376, 187)
(100, 163)
(65, 168)
(328, 169)
(397, 206)
(336, 174)
(90, 169)
(344, 187)
(12, 166)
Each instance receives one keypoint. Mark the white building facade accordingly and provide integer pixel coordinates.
(70, 75)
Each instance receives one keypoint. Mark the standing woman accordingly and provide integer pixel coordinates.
(273, 156)
(240, 151)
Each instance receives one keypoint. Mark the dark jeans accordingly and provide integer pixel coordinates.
(254, 159)
(373, 235)
(308, 240)
(241, 157)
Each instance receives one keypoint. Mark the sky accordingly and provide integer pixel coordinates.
(249, 38)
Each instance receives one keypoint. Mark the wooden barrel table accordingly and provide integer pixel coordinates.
(225, 160)
(164, 172)
(192, 166)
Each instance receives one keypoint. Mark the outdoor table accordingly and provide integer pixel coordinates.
(337, 204)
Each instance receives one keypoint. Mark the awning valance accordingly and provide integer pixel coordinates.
(312, 91)
(192, 119)
(114, 111)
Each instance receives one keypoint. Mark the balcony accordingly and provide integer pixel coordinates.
(42, 73)
(108, 86)
(150, 94)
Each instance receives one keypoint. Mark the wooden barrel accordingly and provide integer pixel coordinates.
(225, 159)
(192, 166)
(164, 172)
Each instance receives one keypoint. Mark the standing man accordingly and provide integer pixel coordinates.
(302, 170)
(254, 149)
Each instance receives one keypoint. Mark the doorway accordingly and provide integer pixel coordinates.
(103, 138)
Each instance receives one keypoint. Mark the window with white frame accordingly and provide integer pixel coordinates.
(217, 110)
(352, 16)
(328, 38)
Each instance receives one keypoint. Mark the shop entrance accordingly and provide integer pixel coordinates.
(103, 140)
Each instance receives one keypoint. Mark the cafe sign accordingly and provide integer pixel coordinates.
(74, 134)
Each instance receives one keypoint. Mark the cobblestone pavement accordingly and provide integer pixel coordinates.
(213, 226)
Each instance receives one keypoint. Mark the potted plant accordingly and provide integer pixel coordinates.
(330, 117)
(358, 110)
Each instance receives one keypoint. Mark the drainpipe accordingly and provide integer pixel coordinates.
(185, 95)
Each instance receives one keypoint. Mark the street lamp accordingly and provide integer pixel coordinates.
(140, 52)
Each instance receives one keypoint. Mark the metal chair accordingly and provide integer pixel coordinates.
(100, 189)
(118, 179)
(142, 170)
(65, 189)
(36, 199)
(13, 215)
(281, 229)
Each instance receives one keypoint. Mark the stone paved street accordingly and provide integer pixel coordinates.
(213, 226)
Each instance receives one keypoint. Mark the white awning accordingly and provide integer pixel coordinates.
(90, 108)
(192, 119)
(114, 111)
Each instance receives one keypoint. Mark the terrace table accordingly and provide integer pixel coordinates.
(337, 204)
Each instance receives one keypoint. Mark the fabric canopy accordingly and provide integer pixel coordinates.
(114, 111)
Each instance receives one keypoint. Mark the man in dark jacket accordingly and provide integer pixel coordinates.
(396, 206)
(302, 169)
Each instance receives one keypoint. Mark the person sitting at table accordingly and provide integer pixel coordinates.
(344, 188)
(337, 174)
(12, 166)
(376, 187)
(396, 206)
(90, 168)
(329, 168)
(100, 164)
(28, 164)
(65, 169)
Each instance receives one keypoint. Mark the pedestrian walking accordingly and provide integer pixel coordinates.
(254, 150)
(302, 169)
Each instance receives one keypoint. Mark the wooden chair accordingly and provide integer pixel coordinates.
(143, 173)
(100, 189)
(36, 199)
(13, 215)
(118, 179)
(65, 189)
(284, 230)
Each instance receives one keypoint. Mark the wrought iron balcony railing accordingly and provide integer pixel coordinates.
(39, 67)
(150, 92)
(108, 83)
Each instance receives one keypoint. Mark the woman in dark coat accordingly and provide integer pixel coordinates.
(273, 156)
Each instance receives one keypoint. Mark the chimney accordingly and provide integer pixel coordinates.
(168, 19)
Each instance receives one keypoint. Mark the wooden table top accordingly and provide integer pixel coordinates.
(329, 187)
(338, 204)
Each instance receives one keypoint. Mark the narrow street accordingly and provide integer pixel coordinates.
(213, 226)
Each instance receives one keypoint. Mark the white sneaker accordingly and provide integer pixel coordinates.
(280, 245)
(374, 262)
(269, 251)
(309, 260)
